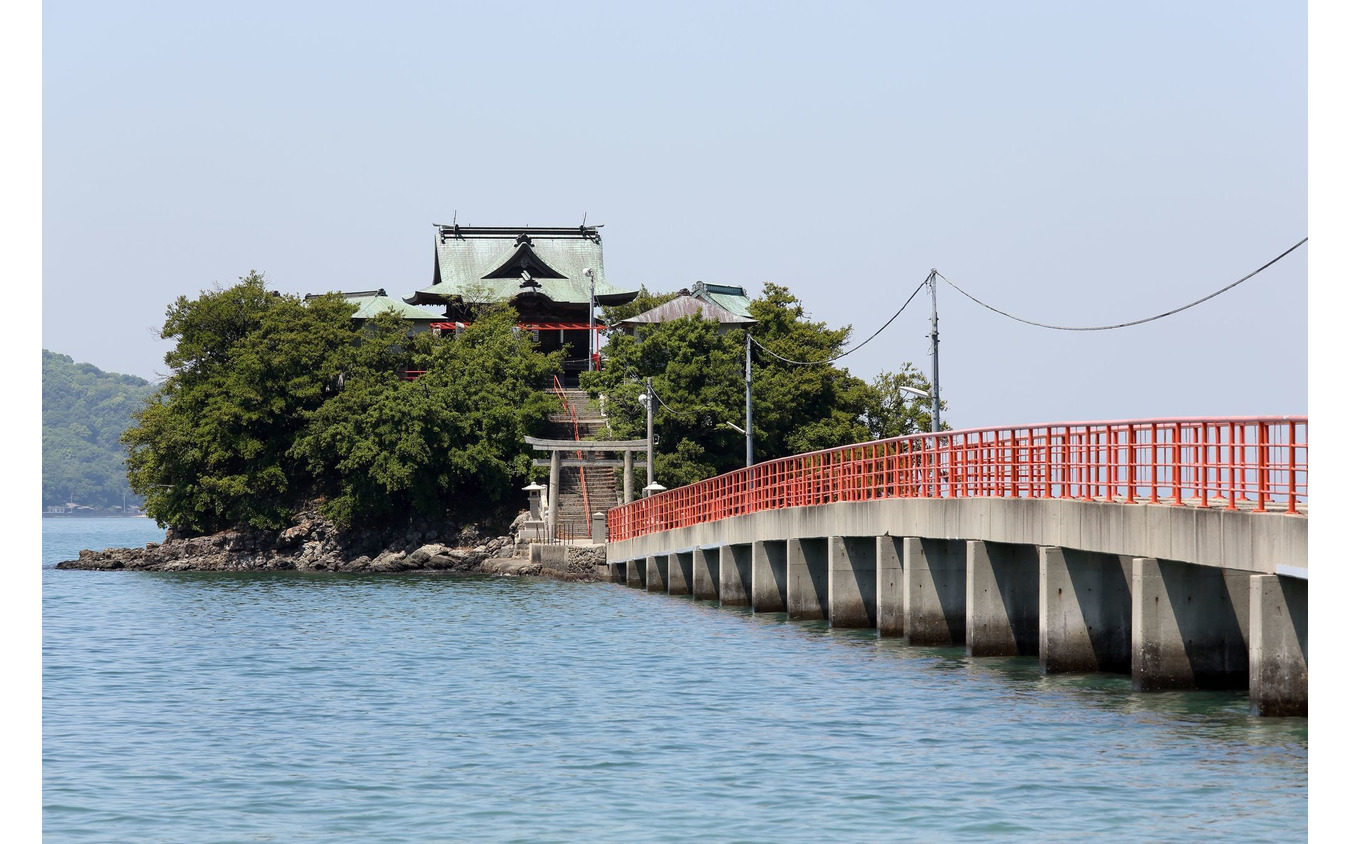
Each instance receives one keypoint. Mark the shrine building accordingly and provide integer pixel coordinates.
(541, 272)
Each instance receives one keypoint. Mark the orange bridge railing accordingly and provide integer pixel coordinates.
(1252, 463)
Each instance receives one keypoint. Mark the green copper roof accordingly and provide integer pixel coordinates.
(371, 302)
(368, 307)
(480, 264)
(724, 296)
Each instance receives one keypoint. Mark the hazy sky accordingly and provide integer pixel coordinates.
(1068, 162)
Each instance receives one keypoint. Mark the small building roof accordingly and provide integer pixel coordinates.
(724, 296)
(371, 302)
(686, 305)
(477, 264)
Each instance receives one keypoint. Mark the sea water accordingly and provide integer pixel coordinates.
(213, 707)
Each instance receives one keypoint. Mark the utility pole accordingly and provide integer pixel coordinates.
(651, 408)
(933, 338)
(749, 413)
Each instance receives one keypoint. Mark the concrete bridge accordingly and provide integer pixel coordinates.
(1174, 550)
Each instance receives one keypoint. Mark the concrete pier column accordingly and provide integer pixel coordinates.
(852, 585)
(733, 586)
(1002, 599)
(934, 578)
(618, 572)
(1084, 611)
(1188, 626)
(637, 572)
(657, 566)
(768, 576)
(706, 570)
(680, 573)
(1278, 673)
(890, 586)
(808, 568)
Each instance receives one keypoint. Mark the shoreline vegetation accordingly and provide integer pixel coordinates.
(292, 436)
(314, 543)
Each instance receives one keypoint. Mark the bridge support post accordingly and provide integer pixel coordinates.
(852, 585)
(1278, 677)
(890, 586)
(706, 581)
(680, 572)
(1188, 626)
(637, 573)
(808, 592)
(657, 567)
(768, 576)
(934, 578)
(618, 572)
(733, 588)
(1002, 599)
(1085, 611)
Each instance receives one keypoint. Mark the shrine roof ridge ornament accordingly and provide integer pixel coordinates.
(455, 231)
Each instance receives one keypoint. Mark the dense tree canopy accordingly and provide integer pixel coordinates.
(698, 375)
(274, 401)
(84, 412)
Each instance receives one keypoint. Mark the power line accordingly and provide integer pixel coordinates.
(1134, 322)
(850, 351)
(662, 402)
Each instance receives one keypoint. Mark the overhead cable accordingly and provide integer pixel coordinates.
(1134, 322)
(850, 351)
(671, 409)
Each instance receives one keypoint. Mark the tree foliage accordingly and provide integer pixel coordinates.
(84, 412)
(645, 301)
(274, 401)
(892, 412)
(698, 375)
(454, 438)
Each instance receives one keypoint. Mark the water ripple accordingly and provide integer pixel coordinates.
(282, 707)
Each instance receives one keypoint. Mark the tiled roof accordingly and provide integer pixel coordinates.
(725, 296)
(481, 264)
(371, 302)
(686, 305)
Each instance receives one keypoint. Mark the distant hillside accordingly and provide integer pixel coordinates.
(84, 411)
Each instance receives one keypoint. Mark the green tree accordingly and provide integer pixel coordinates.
(698, 378)
(84, 412)
(800, 408)
(645, 301)
(893, 412)
(698, 374)
(250, 367)
(452, 439)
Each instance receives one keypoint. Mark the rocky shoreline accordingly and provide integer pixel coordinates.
(315, 544)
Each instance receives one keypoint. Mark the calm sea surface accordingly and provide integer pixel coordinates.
(272, 707)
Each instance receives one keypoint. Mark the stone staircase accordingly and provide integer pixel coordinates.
(602, 482)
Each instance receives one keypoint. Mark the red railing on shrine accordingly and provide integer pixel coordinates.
(1254, 463)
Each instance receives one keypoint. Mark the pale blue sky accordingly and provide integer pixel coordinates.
(1074, 163)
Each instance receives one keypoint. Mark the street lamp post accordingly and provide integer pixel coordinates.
(646, 399)
(749, 410)
(591, 346)
(923, 394)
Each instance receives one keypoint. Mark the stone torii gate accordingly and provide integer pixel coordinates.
(556, 461)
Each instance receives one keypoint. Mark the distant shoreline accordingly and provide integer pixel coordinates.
(47, 515)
